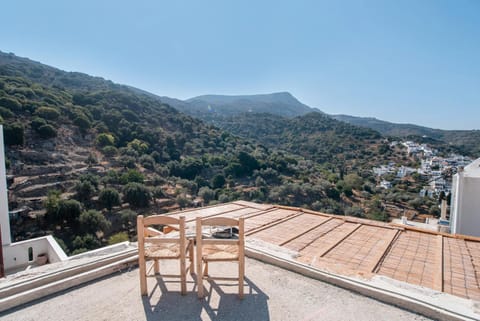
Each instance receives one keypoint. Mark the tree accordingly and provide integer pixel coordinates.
(207, 194)
(132, 176)
(69, 210)
(14, 134)
(109, 197)
(84, 190)
(105, 139)
(218, 181)
(137, 195)
(92, 221)
(48, 113)
(46, 131)
(87, 241)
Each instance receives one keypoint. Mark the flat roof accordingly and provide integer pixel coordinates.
(359, 247)
(271, 293)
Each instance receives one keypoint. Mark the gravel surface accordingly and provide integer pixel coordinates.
(271, 294)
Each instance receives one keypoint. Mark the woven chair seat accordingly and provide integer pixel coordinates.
(163, 250)
(220, 252)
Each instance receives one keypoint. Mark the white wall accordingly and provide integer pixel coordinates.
(465, 210)
(16, 254)
(4, 218)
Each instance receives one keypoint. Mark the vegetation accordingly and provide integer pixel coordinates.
(110, 152)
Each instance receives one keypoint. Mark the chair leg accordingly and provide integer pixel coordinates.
(143, 276)
(241, 277)
(206, 269)
(190, 255)
(156, 266)
(199, 276)
(183, 276)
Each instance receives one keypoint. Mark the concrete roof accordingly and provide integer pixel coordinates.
(431, 273)
(357, 247)
(271, 293)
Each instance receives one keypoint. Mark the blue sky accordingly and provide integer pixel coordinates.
(400, 61)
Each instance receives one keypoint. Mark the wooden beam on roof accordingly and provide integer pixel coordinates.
(306, 231)
(339, 240)
(268, 225)
(439, 259)
(377, 259)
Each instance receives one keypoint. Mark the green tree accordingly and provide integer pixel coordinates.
(69, 210)
(218, 181)
(92, 221)
(84, 190)
(46, 131)
(105, 139)
(48, 113)
(14, 134)
(132, 176)
(137, 195)
(109, 197)
(207, 194)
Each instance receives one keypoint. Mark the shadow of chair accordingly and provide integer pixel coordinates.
(156, 245)
(220, 250)
(218, 305)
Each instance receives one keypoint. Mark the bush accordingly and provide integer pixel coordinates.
(87, 241)
(132, 176)
(47, 131)
(109, 151)
(128, 218)
(82, 122)
(105, 139)
(109, 197)
(207, 194)
(92, 221)
(69, 210)
(84, 190)
(118, 238)
(137, 195)
(48, 113)
(37, 122)
(6, 113)
(14, 134)
(218, 181)
(10, 103)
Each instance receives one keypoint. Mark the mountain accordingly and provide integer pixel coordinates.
(282, 103)
(465, 142)
(87, 155)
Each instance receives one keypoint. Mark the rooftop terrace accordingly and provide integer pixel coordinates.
(428, 272)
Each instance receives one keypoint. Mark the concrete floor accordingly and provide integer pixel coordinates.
(272, 293)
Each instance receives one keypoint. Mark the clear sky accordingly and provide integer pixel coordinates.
(408, 61)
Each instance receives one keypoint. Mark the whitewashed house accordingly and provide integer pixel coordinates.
(465, 205)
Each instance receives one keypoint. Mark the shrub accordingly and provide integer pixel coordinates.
(105, 139)
(6, 113)
(109, 151)
(137, 195)
(118, 238)
(48, 113)
(132, 176)
(207, 194)
(14, 134)
(84, 190)
(109, 197)
(92, 221)
(47, 131)
(87, 241)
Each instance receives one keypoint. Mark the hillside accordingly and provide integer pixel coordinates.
(466, 142)
(87, 155)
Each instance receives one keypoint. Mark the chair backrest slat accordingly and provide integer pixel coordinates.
(160, 220)
(221, 221)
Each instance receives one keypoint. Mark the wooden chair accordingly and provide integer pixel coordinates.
(220, 250)
(154, 245)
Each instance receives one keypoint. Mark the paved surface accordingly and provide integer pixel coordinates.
(271, 294)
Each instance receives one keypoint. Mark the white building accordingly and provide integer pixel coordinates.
(24, 254)
(465, 205)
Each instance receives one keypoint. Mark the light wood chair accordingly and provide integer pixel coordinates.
(220, 250)
(155, 245)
